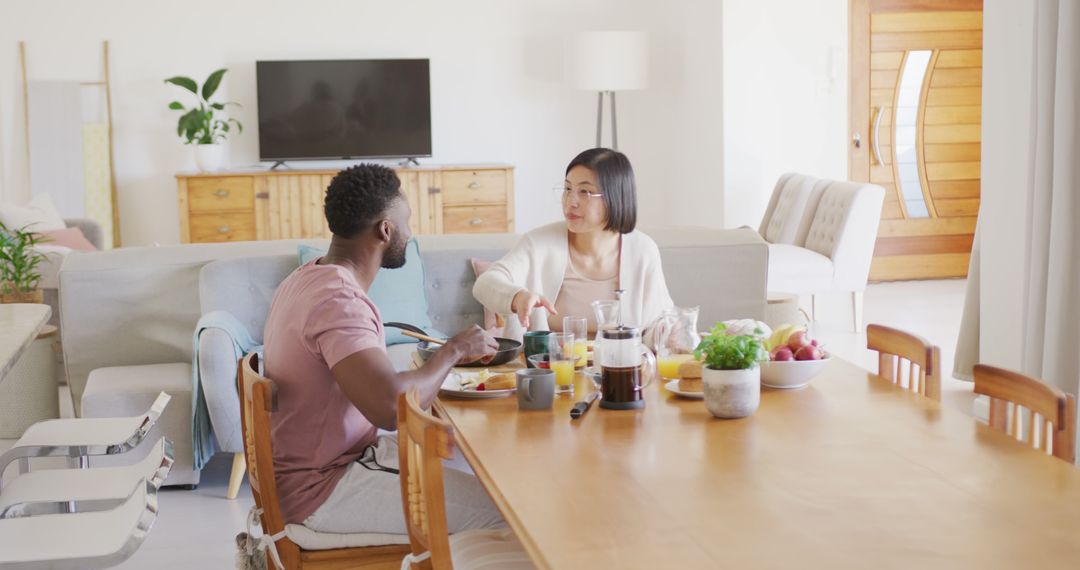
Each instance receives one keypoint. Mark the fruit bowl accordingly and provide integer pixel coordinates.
(791, 374)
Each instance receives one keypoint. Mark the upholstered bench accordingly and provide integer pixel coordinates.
(128, 391)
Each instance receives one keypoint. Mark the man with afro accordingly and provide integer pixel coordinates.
(336, 387)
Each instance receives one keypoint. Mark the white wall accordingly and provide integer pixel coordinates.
(497, 85)
(785, 98)
(1007, 131)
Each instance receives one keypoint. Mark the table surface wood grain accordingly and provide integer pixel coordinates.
(20, 324)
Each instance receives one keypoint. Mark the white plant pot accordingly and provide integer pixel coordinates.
(732, 394)
(209, 157)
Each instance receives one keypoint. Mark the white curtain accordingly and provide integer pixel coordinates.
(1051, 302)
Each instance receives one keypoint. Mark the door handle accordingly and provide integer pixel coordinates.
(874, 144)
(856, 140)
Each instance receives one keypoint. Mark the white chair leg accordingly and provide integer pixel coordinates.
(813, 308)
(239, 467)
(857, 310)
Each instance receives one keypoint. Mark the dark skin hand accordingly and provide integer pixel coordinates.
(368, 377)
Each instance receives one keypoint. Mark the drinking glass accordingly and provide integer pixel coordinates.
(561, 361)
(579, 327)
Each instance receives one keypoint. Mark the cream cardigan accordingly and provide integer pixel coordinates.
(538, 263)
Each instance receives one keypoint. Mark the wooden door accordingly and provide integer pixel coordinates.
(916, 113)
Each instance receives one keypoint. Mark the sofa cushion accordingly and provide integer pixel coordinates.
(68, 237)
(39, 215)
(398, 293)
(794, 269)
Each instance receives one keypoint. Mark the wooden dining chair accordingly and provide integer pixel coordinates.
(894, 348)
(424, 441)
(1051, 413)
(257, 395)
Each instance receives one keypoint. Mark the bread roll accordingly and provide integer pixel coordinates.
(690, 369)
(691, 385)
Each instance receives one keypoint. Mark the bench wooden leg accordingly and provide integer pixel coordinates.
(239, 467)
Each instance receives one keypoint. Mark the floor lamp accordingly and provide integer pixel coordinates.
(607, 62)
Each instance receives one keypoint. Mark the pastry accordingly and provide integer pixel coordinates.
(690, 369)
(691, 385)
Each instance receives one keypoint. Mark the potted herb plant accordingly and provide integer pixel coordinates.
(731, 377)
(19, 260)
(204, 125)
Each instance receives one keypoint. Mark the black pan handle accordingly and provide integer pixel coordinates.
(407, 327)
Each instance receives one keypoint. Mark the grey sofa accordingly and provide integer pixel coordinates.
(50, 268)
(139, 306)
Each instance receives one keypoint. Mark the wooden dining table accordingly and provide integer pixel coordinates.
(848, 472)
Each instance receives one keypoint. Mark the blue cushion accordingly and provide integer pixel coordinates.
(398, 293)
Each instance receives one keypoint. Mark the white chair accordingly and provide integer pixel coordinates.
(80, 438)
(82, 541)
(821, 236)
(54, 491)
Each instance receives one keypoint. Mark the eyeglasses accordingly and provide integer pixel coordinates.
(581, 195)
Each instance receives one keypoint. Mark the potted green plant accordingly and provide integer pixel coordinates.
(19, 260)
(731, 377)
(204, 125)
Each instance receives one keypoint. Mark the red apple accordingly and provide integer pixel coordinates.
(808, 352)
(814, 342)
(797, 340)
(783, 354)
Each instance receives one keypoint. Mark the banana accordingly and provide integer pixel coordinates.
(780, 336)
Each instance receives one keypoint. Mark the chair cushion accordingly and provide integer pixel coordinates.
(497, 549)
(309, 539)
(794, 269)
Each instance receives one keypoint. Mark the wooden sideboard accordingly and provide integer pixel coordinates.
(265, 204)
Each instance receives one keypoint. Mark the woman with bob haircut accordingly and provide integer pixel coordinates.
(560, 269)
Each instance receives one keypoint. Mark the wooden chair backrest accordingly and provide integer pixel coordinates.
(1051, 413)
(894, 347)
(256, 404)
(423, 442)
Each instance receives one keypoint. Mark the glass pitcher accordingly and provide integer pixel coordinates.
(676, 339)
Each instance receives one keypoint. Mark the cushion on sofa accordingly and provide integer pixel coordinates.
(398, 293)
(794, 269)
(39, 215)
(68, 237)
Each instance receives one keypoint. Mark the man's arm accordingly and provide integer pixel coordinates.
(372, 385)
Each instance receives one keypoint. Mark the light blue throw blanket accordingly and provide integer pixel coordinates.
(204, 444)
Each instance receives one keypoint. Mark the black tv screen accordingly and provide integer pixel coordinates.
(334, 109)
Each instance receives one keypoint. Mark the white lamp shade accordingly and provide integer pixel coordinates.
(610, 61)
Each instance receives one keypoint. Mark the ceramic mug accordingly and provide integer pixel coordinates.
(535, 389)
(535, 342)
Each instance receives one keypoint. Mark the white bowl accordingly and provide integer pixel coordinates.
(790, 374)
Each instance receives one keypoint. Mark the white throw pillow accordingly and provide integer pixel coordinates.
(39, 215)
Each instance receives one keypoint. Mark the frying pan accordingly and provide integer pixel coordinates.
(508, 350)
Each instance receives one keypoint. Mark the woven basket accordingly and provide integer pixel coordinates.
(35, 296)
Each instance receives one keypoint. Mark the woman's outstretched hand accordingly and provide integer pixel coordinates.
(525, 301)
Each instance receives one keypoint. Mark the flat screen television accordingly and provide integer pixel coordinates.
(341, 109)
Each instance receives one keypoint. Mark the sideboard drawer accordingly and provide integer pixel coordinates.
(221, 194)
(475, 220)
(209, 228)
(474, 186)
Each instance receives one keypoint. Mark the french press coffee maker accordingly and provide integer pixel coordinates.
(626, 367)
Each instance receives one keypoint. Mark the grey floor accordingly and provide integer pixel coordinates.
(195, 529)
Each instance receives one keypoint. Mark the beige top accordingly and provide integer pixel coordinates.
(576, 296)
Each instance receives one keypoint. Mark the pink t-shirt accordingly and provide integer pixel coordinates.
(319, 316)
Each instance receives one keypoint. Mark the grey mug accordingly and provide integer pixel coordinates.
(535, 389)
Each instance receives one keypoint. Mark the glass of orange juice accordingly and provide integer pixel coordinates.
(667, 364)
(579, 327)
(562, 359)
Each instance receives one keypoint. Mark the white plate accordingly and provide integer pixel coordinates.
(451, 387)
(673, 387)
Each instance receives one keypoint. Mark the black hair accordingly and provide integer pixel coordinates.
(616, 179)
(358, 197)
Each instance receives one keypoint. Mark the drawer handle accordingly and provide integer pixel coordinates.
(474, 185)
(224, 229)
(476, 222)
(433, 190)
(221, 193)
